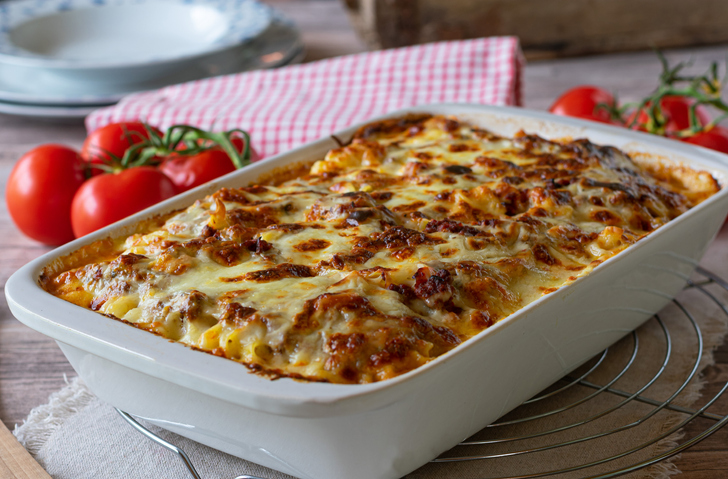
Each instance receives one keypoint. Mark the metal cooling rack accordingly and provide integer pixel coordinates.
(716, 421)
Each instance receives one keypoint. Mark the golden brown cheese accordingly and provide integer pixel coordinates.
(416, 236)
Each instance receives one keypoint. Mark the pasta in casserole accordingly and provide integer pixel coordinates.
(419, 234)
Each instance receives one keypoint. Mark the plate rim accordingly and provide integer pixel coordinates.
(7, 95)
(62, 6)
(47, 111)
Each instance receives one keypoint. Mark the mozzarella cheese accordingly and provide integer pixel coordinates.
(420, 233)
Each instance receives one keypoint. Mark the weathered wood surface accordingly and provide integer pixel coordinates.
(547, 28)
(15, 461)
(32, 366)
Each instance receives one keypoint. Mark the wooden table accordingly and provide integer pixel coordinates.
(32, 366)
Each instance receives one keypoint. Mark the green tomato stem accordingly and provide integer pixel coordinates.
(195, 140)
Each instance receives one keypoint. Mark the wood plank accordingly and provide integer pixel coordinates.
(15, 461)
(547, 28)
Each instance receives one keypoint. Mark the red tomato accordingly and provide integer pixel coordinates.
(40, 190)
(107, 198)
(716, 139)
(113, 139)
(677, 113)
(187, 172)
(582, 101)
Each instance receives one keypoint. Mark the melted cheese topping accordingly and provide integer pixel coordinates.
(418, 235)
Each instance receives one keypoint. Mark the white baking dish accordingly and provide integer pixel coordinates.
(386, 429)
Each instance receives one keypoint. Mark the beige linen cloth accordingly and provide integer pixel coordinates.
(77, 436)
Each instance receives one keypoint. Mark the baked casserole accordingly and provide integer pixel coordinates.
(417, 235)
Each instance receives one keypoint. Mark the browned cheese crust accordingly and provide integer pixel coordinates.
(419, 234)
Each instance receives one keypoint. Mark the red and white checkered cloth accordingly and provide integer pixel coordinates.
(289, 106)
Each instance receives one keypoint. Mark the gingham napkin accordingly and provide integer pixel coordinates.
(290, 106)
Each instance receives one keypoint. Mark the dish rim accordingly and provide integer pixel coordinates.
(237, 34)
(216, 376)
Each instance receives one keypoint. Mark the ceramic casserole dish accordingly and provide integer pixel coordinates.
(389, 428)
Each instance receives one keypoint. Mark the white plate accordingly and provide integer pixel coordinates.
(122, 41)
(280, 45)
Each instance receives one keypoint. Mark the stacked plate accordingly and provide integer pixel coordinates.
(65, 58)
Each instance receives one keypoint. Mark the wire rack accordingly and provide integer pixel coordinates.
(560, 398)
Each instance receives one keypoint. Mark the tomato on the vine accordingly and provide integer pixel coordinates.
(582, 102)
(40, 190)
(676, 110)
(189, 171)
(111, 141)
(716, 139)
(107, 198)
